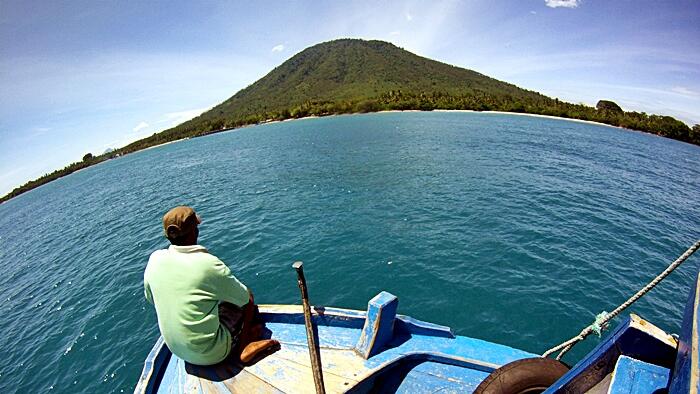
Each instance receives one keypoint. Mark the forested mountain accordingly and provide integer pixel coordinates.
(352, 75)
(339, 74)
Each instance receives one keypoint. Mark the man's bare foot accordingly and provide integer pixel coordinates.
(255, 351)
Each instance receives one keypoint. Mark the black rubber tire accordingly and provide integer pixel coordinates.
(526, 376)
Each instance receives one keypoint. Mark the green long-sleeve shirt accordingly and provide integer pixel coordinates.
(186, 284)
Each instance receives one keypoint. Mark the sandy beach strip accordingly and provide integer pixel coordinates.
(531, 115)
(391, 111)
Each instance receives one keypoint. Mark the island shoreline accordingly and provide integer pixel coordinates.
(7, 197)
(390, 111)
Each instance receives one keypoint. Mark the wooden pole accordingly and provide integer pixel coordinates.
(314, 351)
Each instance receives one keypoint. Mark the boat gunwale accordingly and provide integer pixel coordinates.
(606, 353)
(351, 318)
(154, 367)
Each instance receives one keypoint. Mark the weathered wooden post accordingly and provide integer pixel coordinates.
(314, 351)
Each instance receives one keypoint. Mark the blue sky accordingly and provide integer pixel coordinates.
(84, 76)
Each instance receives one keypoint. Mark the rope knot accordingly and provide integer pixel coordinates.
(600, 323)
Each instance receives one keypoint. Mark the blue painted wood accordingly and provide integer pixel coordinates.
(474, 356)
(637, 377)
(328, 336)
(465, 352)
(321, 316)
(464, 376)
(475, 353)
(419, 327)
(685, 374)
(626, 339)
(169, 381)
(153, 368)
(404, 354)
(337, 317)
(389, 376)
(431, 377)
(421, 383)
(379, 325)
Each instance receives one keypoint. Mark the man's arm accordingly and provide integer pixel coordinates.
(228, 287)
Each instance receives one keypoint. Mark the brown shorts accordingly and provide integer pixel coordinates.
(231, 317)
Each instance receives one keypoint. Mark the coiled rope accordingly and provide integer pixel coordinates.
(602, 319)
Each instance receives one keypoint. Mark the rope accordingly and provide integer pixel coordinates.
(602, 319)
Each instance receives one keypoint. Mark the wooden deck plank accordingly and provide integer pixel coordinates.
(342, 363)
(190, 384)
(213, 387)
(243, 382)
(293, 377)
(329, 337)
(170, 377)
(226, 377)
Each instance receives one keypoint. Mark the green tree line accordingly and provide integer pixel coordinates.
(665, 126)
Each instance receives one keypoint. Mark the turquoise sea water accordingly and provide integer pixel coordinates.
(507, 228)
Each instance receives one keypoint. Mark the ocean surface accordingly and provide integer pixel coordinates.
(508, 228)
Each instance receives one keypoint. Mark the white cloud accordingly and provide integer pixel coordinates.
(140, 127)
(533, 12)
(278, 48)
(562, 3)
(684, 91)
(409, 17)
(39, 131)
(394, 33)
(171, 119)
(175, 118)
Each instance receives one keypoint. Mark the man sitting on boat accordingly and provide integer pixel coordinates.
(204, 313)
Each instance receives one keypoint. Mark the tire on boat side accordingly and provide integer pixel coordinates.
(526, 376)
